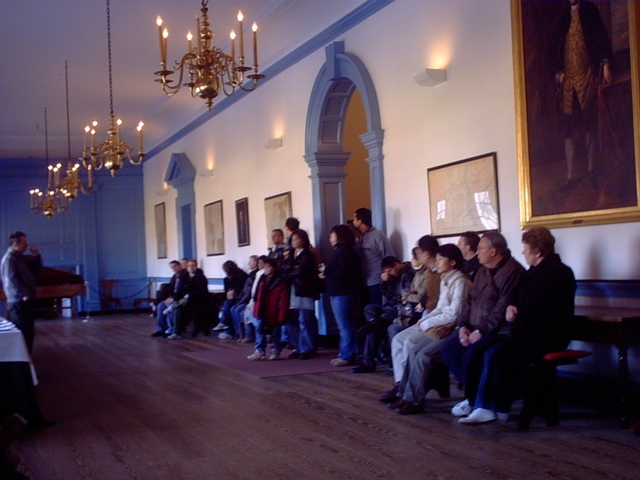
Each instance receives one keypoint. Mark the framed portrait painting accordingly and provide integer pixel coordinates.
(463, 196)
(242, 221)
(577, 110)
(161, 229)
(277, 209)
(214, 228)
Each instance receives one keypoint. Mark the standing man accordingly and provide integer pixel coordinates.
(279, 245)
(468, 245)
(373, 246)
(19, 285)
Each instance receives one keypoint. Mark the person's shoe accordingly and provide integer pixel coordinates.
(220, 326)
(478, 416)
(157, 334)
(224, 335)
(410, 409)
(274, 356)
(401, 402)
(173, 336)
(390, 396)
(462, 409)
(502, 417)
(338, 362)
(247, 340)
(40, 424)
(306, 356)
(363, 369)
(256, 355)
(293, 355)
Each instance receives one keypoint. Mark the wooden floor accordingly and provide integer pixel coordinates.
(130, 406)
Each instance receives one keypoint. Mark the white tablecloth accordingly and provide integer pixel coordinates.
(12, 346)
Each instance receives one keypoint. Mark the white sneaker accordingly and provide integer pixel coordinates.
(224, 335)
(220, 326)
(502, 417)
(274, 356)
(478, 416)
(256, 355)
(173, 336)
(462, 409)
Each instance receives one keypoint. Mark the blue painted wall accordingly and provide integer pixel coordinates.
(101, 235)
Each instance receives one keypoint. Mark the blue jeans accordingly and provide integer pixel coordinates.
(303, 329)
(226, 318)
(261, 336)
(164, 322)
(342, 307)
(237, 314)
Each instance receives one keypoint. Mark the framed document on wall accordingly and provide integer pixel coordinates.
(214, 228)
(161, 230)
(277, 210)
(242, 222)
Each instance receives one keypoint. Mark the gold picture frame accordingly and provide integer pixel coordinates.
(161, 229)
(463, 196)
(214, 228)
(277, 209)
(577, 166)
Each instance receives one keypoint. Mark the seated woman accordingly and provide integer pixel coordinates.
(233, 286)
(539, 318)
(431, 333)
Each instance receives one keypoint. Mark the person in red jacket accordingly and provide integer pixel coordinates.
(270, 311)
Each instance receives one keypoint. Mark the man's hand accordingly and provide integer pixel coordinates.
(34, 250)
(474, 336)
(511, 313)
(463, 336)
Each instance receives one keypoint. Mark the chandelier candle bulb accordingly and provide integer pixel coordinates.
(189, 38)
(139, 129)
(87, 129)
(159, 23)
(240, 18)
(254, 29)
(232, 36)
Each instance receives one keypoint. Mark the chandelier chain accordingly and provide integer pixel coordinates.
(109, 55)
(66, 85)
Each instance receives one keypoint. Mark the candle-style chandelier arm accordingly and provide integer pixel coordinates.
(210, 71)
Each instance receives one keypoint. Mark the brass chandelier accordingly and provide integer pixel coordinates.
(210, 70)
(113, 152)
(53, 199)
(72, 184)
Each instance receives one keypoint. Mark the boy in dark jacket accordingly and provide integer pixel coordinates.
(270, 311)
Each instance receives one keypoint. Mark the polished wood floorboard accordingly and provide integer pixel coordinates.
(130, 406)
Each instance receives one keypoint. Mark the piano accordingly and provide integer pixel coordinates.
(53, 285)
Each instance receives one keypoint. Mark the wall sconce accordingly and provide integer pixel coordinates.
(430, 77)
(273, 143)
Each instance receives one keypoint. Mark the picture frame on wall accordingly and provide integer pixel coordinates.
(214, 228)
(242, 221)
(578, 152)
(463, 196)
(161, 230)
(277, 209)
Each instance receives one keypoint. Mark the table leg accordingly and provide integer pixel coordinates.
(623, 371)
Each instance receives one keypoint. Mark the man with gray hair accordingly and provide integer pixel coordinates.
(495, 288)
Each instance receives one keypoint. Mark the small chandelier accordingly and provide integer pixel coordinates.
(71, 185)
(113, 152)
(210, 70)
(53, 200)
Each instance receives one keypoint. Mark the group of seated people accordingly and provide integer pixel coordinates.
(470, 309)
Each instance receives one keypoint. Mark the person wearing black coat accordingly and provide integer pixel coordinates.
(342, 274)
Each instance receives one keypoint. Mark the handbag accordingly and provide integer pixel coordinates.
(440, 331)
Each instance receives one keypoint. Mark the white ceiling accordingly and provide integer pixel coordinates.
(38, 36)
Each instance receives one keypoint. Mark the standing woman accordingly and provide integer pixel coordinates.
(343, 277)
(299, 268)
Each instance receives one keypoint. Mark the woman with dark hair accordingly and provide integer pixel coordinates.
(430, 333)
(343, 278)
(233, 285)
(299, 268)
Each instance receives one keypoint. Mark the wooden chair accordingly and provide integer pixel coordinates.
(541, 396)
(148, 300)
(108, 295)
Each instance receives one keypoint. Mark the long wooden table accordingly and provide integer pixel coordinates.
(613, 326)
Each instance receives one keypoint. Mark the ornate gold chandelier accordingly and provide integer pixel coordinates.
(113, 152)
(210, 70)
(71, 185)
(52, 200)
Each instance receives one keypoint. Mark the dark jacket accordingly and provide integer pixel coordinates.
(301, 273)
(493, 290)
(197, 289)
(392, 288)
(545, 305)
(343, 272)
(272, 301)
(245, 296)
(235, 281)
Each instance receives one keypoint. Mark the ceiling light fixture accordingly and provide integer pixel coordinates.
(210, 70)
(113, 152)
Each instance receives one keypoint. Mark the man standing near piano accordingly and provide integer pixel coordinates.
(18, 282)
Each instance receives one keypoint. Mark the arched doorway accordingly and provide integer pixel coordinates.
(325, 153)
(180, 175)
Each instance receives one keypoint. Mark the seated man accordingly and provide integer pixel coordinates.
(494, 288)
(245, 331)
(195, 299)
(468, 245)
(396, 277)
(166, 296)
(539, 319)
